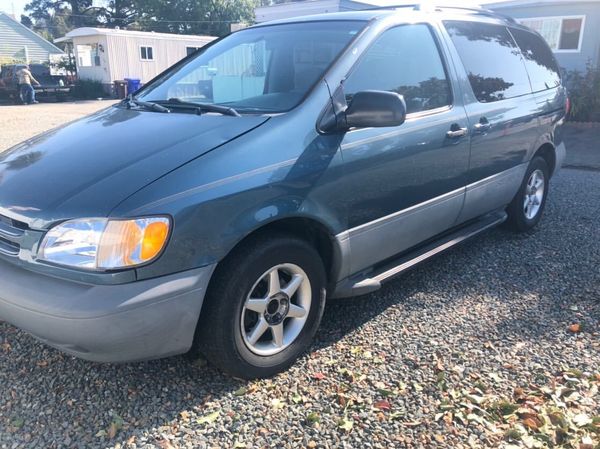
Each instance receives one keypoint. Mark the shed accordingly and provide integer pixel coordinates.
(20, 44)
(107, 55)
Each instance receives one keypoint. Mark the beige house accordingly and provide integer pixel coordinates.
(107, 55)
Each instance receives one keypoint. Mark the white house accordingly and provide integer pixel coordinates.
(571, 27)
(20, 44)
(107, 55)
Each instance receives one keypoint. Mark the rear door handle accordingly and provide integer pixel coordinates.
(482, 126)
(456, 132)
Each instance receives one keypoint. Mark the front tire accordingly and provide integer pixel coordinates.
(263, 306)
(526, 209)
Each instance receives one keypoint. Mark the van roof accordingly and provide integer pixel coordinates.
(410, 11)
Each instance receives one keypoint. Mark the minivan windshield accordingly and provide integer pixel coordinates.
(259, 70)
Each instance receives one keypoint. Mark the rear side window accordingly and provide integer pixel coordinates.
(405, 60)
(491, 58)
(539, 60)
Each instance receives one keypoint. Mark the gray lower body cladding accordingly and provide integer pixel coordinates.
(106, 323)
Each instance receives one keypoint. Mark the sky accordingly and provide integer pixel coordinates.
(18, 6)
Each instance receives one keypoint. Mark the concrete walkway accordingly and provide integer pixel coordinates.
(583, 146)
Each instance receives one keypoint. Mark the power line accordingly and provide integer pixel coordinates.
(151, 20)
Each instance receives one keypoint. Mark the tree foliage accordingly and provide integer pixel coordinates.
(208, 17)
(54, 18)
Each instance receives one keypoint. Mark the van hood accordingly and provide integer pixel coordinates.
(86, 168)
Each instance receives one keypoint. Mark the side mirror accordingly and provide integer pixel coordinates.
(375, 109)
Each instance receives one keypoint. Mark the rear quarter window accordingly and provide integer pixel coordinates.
(539, 60)
(491, 58)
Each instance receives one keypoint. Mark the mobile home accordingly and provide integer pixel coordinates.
(107, 55)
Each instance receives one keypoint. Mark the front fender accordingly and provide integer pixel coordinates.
(249, 183)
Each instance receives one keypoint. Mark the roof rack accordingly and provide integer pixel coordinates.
(426, 6)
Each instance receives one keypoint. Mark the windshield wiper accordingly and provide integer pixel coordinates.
(208, 107)
(130, 101)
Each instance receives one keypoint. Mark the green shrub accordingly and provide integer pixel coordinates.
(584, 92)
(88, 90)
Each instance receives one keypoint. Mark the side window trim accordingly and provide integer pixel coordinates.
(443, 58)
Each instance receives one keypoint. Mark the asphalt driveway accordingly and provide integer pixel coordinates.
(487, 345)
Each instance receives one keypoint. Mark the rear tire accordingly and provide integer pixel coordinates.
(263, 306)
(526, 209)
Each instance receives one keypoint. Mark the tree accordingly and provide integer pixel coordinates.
(210, 17)
(26, 20)
(120, 13)
(80, 12)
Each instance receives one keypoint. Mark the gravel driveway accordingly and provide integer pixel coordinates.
(488, 345)
(22, 122)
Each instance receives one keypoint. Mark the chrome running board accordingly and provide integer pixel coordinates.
(370, 281)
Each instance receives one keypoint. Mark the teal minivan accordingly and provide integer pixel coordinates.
(216, 209)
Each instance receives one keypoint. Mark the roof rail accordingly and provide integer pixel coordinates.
(426, 6)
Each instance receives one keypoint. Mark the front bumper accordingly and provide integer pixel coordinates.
(106, 323)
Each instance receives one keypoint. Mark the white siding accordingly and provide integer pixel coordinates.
(98, 73)
(14, 38)
(125, 60)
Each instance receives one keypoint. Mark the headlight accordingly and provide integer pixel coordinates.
(103, 244)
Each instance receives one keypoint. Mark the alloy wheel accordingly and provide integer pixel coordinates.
(276, 309)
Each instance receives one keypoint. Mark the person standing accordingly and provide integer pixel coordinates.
(27, 91)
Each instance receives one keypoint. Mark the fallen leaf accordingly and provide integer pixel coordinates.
(165, 444)
(586, 443)
(277, 404)
(319, 376)
(112, 430)
(582, 419)
(448, 418)
(313, 417)
(114, 427)
(575, 328)
(382, 405)
(240, 391)
(411, 423)
(207, 419)
(346, 424)
(18, 422)
(530, 423)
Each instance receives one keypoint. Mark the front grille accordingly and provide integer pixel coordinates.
(9, 248)
(11, 232)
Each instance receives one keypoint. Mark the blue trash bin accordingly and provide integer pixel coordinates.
(133, 85)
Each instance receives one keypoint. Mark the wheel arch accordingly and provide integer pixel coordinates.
(547, 151)
(308, 229)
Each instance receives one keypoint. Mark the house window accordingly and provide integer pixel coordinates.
(563, 34)
(190, 50)
(146, 54)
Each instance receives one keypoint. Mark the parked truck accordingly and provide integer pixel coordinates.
(57, 86)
